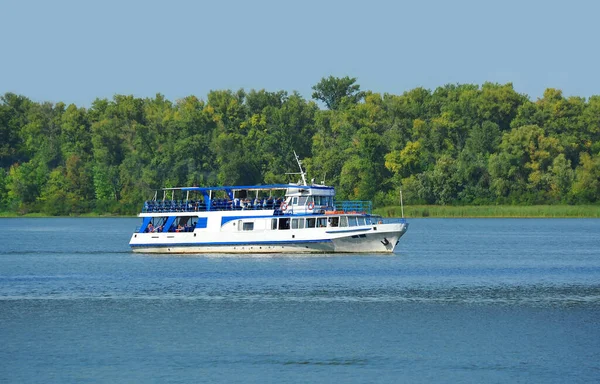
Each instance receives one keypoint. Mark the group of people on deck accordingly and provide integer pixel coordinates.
(216, 204)
(237, 203)
(173, 228)
(247, 203)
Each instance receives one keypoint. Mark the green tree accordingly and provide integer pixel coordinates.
(13, 117)
(561, 178)
(444, 180)
(586, 187)
(109, 153)
(336, 92)
(24, 184)
(3, 189)
(519, 168)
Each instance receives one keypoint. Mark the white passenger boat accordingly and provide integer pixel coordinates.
(278, 218)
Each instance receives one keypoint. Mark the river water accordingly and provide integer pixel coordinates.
(462, 300)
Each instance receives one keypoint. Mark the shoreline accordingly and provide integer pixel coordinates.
(493, 211)
(426, 211)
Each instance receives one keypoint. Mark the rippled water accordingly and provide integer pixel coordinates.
(500, 300)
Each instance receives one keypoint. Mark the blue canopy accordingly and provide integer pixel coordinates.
(252, 187)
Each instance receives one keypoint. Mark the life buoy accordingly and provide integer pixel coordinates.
(283, 206)
(311, 205)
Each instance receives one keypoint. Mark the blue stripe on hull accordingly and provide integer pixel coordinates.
(349, 230)
(239, 243)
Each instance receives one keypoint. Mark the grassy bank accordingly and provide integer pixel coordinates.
(581, 211)
(39, 214)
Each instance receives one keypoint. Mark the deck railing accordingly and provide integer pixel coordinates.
(392, 220)
(354, 206)
(161, 206)
(350, 206)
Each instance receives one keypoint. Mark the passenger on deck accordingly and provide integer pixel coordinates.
(247, 204)
(150, 228)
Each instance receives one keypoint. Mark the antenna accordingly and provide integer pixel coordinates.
(302, 173)
(401, 204)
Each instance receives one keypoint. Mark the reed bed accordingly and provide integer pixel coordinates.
(533, 211)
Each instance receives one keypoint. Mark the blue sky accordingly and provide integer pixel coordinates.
(77, 51)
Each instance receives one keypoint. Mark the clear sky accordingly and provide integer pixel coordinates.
(76, 51)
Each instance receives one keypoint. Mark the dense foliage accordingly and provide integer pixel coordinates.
(460, 144)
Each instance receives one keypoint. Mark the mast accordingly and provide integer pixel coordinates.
(301, 170)
(401, 204)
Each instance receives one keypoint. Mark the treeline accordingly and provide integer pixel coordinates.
(458, 144)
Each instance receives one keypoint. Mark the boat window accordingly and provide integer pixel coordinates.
(311, 222)
(157, 224)
(273, 223)
(352, 221)
(294, 223)
(248, 227)
(284, 223)
(295, 201)
(302, 200)
(334, 221)
(322, 222)
(361, 220)
(343, 221)
(180, 224)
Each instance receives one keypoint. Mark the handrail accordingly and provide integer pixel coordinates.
(354, 206)
(392, 220)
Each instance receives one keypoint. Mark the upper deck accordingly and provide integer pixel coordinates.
(282, 199)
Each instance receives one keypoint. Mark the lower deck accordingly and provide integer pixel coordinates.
(268, 234)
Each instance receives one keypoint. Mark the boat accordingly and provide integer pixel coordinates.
(297, 217)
